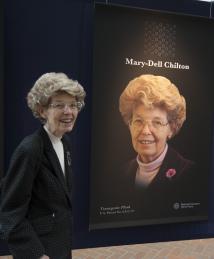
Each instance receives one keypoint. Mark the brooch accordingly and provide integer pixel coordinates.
(170, 173)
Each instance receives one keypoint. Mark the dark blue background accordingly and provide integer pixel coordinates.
(57, 35)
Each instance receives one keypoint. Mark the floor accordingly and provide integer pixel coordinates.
(189, 249)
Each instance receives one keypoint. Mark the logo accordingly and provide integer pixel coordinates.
(176, 206)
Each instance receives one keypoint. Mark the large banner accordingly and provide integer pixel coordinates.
(152, 117)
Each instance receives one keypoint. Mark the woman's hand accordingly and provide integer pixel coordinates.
(44, 257)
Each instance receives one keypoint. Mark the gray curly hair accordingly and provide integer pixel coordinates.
(50, 84)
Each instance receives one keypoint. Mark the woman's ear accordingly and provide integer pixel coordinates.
(42, 112)
(129, 124)
(170, 133)
(169, 136)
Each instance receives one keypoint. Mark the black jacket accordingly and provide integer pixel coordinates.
(36, 207)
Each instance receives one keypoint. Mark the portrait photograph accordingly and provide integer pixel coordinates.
(152, 118)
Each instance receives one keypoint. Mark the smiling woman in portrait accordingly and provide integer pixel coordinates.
(154, 111)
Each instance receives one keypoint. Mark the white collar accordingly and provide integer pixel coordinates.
(53, 138)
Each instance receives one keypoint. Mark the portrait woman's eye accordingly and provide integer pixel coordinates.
(137, 122)
(157, 124)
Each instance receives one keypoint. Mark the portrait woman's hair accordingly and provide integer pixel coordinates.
(154, 91)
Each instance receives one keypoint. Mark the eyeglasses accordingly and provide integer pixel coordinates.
(62, 106)
(152, 124)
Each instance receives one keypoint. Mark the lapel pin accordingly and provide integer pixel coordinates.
(170, 173)
(68, 158)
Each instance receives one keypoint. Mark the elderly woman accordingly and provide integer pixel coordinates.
(36, 206)
(155, 111)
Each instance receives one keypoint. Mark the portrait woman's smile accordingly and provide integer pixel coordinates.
(150, 130)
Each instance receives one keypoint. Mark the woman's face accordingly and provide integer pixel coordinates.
(149, 132)
(61, 114)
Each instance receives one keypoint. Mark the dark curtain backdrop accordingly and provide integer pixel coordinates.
(1, 85)
(57, 35)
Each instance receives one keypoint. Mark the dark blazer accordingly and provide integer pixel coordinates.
(36, 207)
(168, 198)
